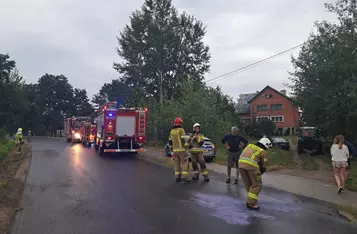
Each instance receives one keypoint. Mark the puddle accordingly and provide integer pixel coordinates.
(233, 210)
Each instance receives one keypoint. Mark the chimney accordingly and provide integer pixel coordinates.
(283, 92)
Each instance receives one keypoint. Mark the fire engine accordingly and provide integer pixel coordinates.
(88, 132)
(120, 129)
(72, 127)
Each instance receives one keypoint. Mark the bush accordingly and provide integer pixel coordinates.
(5, 148)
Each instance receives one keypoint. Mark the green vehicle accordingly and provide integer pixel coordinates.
(310, 140)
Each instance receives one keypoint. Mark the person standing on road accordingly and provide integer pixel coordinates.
(195, 142)
(233, 145)
(353, 153)
(252, 167)
(339, 156)
(179, 146)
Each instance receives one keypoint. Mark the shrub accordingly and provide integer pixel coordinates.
(4, 151)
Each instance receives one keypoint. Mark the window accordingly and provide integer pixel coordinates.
(245, 119)
(262, 107)
(277, 119)
(260, 118)
(275, 107)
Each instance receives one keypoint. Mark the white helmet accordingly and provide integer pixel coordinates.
(266, 142)
(196, 125)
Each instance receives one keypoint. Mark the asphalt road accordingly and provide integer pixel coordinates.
(70, 189)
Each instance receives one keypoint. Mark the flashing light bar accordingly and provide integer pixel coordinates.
(124, 150)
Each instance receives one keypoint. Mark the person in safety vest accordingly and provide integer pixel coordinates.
(18, 139)
(195, 142)
(252, 167)
(179, 147)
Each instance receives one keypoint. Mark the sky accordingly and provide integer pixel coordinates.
(77, 38)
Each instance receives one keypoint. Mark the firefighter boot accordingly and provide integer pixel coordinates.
(195, 177)
(178, 179)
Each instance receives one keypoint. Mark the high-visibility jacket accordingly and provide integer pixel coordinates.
(18, 137)
(196, 144)
(252, 158)
(177, 139)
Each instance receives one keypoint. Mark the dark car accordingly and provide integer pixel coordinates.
(280, 143)
(209, 149)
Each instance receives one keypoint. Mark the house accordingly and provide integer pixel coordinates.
(270, 104)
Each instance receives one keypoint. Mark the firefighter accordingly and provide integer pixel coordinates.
(195, 142)
(18, 139)
(179, 146)
(252, 167)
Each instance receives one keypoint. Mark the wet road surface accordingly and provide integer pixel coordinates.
(70, 189)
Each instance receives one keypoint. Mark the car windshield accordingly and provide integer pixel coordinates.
(76, 124)
(278, 139)
(308, 132)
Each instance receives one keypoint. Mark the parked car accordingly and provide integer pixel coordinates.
(209, 149)
(279, 142)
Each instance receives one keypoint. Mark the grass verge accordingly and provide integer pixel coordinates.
(277, 159)
(11, 184)
(308, 162)
(349, 212)
(351, 183)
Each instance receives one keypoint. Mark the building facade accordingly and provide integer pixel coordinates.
(273, 105)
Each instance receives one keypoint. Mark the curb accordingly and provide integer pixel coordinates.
(25, 166)
(347, 216)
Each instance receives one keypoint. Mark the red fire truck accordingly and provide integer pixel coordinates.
(72, 127)
(88, 132)
(120, 129)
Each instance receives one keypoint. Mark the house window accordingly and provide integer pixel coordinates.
(277, 119)
(245, 120)
(275, 107)
(261, 118)
(262, 107)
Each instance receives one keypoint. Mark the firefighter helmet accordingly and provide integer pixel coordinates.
(178, 121)
(196, 125)
(266, 142)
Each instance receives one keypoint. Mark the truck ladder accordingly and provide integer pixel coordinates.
(142, 123)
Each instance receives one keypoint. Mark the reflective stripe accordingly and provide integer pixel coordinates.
(205, 172)
(177, 173)
(179, 150)
(249, 161)
(252, 196)
(198, 150)
(184, 172)
(257, 152)
(195, 172)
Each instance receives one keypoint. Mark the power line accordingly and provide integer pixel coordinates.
(241, 69)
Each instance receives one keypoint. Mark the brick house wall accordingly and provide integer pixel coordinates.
(276, 106)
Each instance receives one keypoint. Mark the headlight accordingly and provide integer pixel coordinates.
(77, 135)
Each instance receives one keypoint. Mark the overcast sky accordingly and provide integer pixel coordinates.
(77, 38)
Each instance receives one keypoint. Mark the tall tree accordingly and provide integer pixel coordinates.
(161, 49)
(82, 107)
(56, 100)
(116, 90)
(325, 72)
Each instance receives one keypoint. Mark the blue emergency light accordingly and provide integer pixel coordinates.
(110, 114)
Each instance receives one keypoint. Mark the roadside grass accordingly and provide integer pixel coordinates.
(350, 210)
(308, 162)
(277, 158)
(351, 183)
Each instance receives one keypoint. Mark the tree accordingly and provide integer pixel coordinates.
(325, 73)
(116, 90)
(13, 104)
(82, 107)
(161, 50)
(56, 99)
